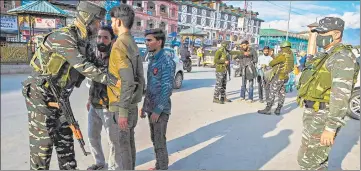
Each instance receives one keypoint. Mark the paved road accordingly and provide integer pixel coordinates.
(201, 135)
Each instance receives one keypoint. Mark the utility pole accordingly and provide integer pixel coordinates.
(288, 24)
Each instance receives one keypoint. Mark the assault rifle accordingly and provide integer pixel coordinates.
(62, 98)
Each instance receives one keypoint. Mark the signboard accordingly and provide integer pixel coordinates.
(45, 23)
(9, 24)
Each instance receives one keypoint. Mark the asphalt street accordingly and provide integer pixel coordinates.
(201, 135)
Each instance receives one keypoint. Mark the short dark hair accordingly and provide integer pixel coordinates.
(125, 13)
(110, 30)
(271, 49)
(245, 42)
(266, 47)
(157, 33)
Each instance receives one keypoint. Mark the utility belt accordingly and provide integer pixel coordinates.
(312, 104)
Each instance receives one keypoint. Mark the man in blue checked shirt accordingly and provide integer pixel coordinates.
(157, 103)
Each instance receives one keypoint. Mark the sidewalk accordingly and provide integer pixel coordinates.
(15, 69)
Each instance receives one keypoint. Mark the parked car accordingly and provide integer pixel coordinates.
(178, 76)
(354, 104)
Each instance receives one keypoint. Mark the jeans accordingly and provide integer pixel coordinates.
(243, 88)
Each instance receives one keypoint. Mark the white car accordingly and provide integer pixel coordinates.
(354, 104)
(178, 75)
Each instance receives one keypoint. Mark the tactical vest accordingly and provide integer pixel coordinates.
(315, 81)
(47, 63)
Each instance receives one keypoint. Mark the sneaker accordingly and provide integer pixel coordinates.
(241, 100)
(249, 101)
(95, 167)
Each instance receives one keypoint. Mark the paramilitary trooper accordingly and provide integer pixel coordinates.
(324, 90)
(61, 60)
(221, 60)
(281, 65)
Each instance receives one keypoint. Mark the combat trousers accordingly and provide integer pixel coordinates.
(158, 132)
(312, 155)
(124, 153)
(46, 131)
(277, 86)
(221, 83)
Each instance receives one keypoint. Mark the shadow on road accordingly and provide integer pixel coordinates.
(195, 84)
(239, 144)
(345, 141)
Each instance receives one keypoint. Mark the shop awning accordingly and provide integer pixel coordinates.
(39, 7)
(193, 32)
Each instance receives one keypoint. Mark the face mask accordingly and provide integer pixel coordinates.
(102, 47)
(323, 41)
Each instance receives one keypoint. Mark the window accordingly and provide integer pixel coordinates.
(162, 25)
(139, 23)
(163, 9)
(8, 4)
(189, 9)
(222, 24)
(137, 4)
(151, 6)
(179, 18)
(208, 22)
(208, 13)
(189, 18)
(173, 12)
(199, 11)
(228, 26)
(199, 20)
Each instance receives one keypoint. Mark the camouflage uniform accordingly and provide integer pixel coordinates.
(63, 56)
(337, 75)
(221, 73)
(282, 65)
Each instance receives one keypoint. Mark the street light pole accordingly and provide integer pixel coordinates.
(288, 24)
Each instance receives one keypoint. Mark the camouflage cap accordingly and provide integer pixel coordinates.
(95, 8)
(328, 24)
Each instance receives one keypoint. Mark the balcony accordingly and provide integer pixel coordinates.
(138, 9)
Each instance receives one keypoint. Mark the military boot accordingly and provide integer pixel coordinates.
(267, 110)
(227, 100)
(216, 100)
(278, 110)
(222, 100)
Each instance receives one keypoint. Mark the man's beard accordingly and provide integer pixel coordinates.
(266, 54)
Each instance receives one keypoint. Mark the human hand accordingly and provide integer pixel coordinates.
(123, 123)
(246, 53)
(53, 104)
(226, 62)
(142, 113)
(327, 138)
(88, 106)
(118, 84)
(154, 117)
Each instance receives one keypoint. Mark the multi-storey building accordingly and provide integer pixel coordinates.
(220, 21)
(154, 14)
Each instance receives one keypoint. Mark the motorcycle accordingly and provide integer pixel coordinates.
(187, 64)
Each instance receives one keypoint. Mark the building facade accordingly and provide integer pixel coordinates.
(273, 38)
(220, 21)
(154, 14)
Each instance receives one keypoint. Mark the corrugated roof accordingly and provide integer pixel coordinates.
(39, 7)
(279, 33)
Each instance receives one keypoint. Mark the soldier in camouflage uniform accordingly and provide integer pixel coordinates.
(281, 65)
(221, 60)
(325, 89)
(62, 56)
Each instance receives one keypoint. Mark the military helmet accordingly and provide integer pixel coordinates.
(90, 10)
(285, 44)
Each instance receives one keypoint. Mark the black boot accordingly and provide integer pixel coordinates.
(222, 100)
(227, 100)
(267, 110)
(216, 100)
(278, 110)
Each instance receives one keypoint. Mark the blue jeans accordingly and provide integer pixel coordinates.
(243, 88)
